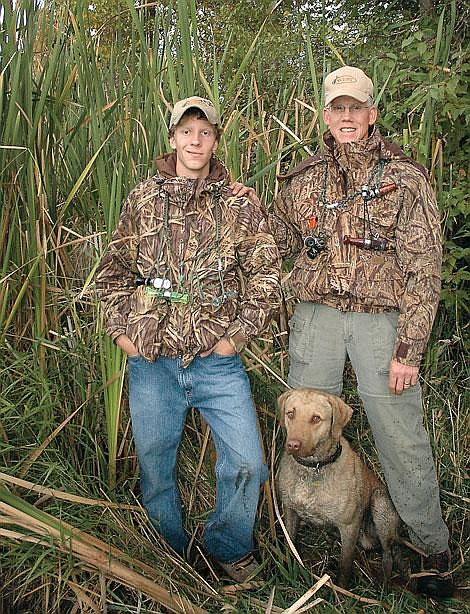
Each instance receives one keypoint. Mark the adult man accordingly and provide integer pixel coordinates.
(170, 283)
(362, 221)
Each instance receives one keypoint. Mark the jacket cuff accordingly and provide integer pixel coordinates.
(408, 353)
(115, 333)
(237, 340)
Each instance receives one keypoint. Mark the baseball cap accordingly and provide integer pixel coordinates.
(348, 81)
(202, 104)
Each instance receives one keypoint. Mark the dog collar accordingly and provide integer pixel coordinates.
(313, 464)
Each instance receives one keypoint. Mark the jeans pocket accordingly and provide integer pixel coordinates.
(223, 356)
(301, 332)
(384, 333)
(134, 361)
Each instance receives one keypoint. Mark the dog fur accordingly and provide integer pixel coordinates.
(344, 493)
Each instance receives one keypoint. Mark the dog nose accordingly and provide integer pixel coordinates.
(293, 445)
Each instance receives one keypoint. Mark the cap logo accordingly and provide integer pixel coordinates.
(345, 79)
(204, 103)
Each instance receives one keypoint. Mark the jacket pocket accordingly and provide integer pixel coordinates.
(382, 213)
(144, 302)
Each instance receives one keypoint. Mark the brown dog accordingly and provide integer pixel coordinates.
(323, 481)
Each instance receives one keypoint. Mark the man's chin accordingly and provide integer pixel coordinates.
(347, 137)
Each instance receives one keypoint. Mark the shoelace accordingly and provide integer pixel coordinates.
(245, 562)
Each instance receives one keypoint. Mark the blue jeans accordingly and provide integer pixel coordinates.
(160, 395)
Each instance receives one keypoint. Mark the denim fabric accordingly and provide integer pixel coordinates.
(320, 340)
(160, 395)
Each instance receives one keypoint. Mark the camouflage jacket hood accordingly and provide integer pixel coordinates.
(214, 250)
(405, 277)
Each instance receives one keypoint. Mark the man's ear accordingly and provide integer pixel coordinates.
(372, 115)
(282, 406)
(172, 142)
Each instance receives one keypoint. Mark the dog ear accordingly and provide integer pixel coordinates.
(341, 415)
(281, 401)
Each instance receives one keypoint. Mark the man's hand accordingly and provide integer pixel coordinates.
(126, 345)
(239, 189)
(223, 347)
(401, 377)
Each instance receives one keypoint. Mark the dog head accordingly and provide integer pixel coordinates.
(313, 419)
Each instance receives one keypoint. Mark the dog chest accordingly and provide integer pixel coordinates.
(316, 497)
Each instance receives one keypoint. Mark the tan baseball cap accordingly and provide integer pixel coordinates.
(348, 81)
(202, 104)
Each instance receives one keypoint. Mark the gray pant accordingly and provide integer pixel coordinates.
(320, 339)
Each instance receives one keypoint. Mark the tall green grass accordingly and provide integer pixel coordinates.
(83, 118)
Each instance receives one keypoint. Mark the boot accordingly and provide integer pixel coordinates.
(438, 583)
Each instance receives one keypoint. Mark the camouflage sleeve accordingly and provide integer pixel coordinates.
(280, 219)
(114, 280)
(260, 264)
(419, 254)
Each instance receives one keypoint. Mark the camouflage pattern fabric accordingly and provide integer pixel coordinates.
(232, 284)
(405, 277)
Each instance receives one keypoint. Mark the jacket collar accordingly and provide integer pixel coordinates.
(355, 155)
(166, 167)
(373, 148)
(184, 189)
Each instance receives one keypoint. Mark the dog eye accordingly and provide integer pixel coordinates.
(290, 414)
(315, 419)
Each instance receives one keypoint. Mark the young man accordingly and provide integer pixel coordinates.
(190, 276)
(362, 222)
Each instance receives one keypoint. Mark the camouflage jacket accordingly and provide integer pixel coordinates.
(405, 276)
(213, 248)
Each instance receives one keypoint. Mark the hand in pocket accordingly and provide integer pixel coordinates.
(126, 345)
